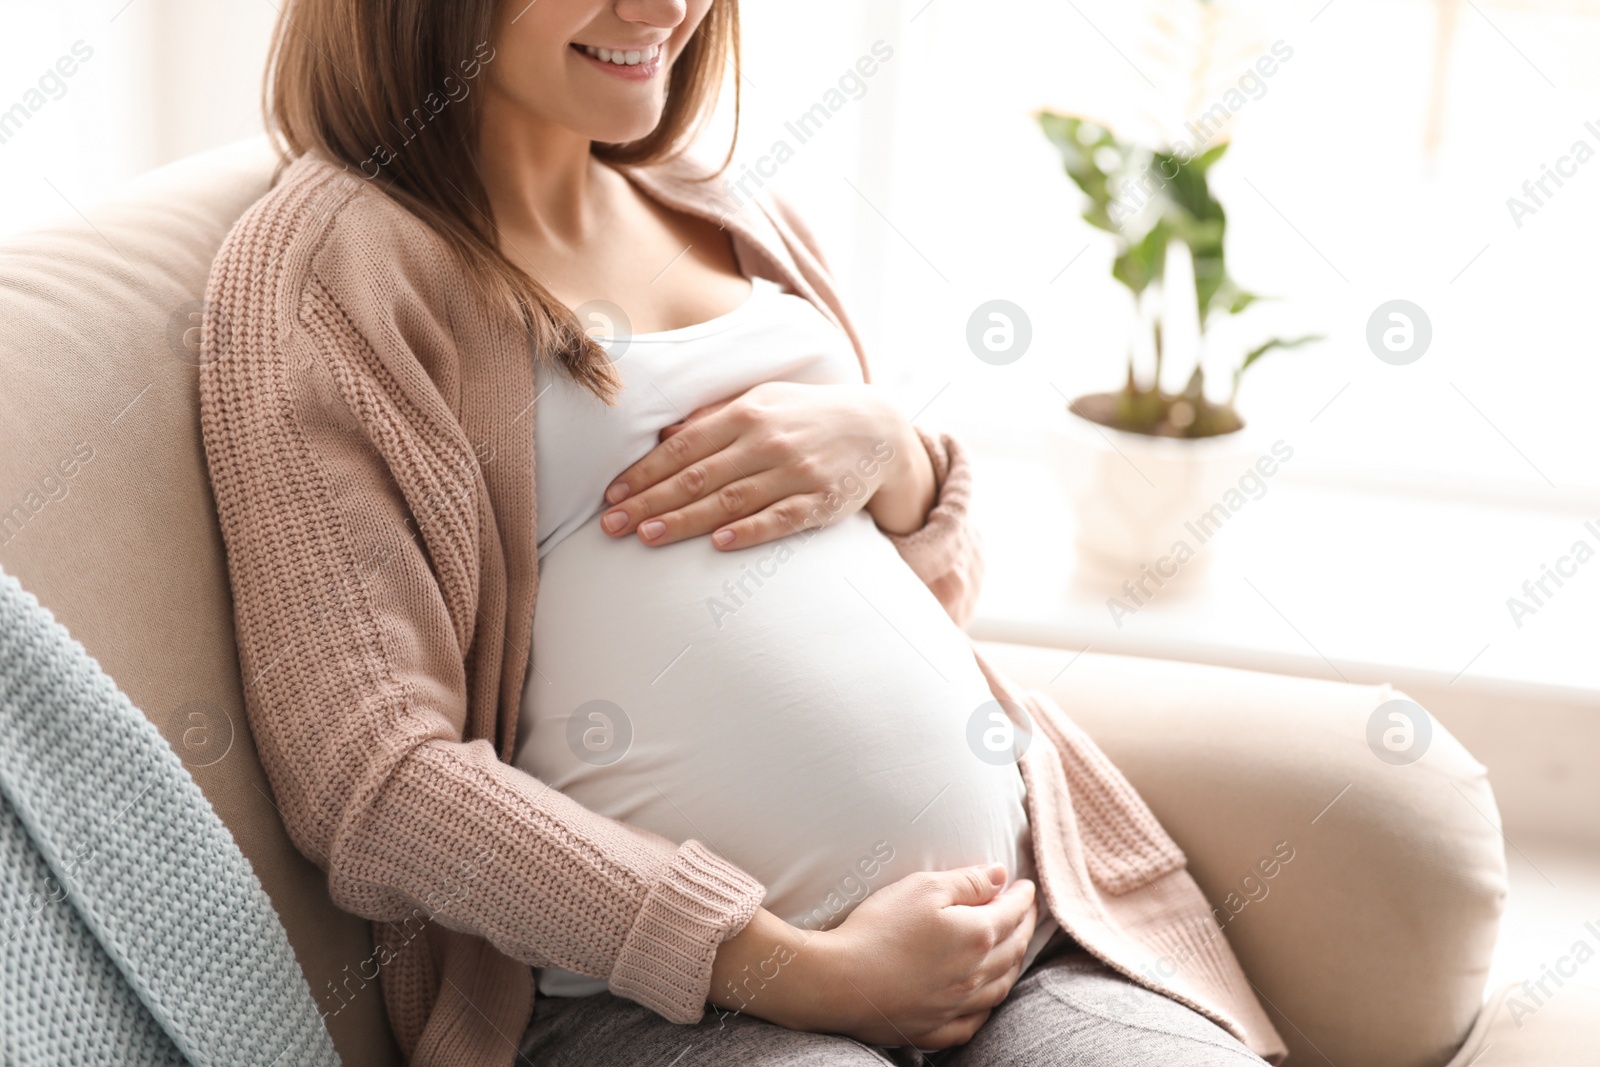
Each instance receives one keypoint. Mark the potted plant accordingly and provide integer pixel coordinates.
(1143, 460)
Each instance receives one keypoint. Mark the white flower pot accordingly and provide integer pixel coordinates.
(1147, 507)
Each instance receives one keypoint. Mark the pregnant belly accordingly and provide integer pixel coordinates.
(802, 707)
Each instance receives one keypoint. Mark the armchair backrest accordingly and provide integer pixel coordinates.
(106, 514)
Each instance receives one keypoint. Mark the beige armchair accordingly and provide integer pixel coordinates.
(1369, 941)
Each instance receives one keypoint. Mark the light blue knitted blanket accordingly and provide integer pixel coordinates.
(132, 929)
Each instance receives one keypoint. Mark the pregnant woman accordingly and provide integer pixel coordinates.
(602, 623)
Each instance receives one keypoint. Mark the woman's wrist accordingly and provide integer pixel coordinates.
(777, 972)
(909, 490)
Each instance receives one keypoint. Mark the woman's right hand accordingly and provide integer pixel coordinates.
(920, 962)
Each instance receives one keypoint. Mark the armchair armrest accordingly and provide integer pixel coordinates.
(1361, 897)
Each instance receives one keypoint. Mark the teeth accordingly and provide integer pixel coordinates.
(621, 58)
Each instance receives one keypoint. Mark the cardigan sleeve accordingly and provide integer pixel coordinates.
(946, 552)
(353, 638)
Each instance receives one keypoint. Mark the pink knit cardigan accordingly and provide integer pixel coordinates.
(368, 428)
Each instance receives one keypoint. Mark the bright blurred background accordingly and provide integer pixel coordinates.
(1375, 164)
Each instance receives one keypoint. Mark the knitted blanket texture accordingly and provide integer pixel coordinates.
(132, 929)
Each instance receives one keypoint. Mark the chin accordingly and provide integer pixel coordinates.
(621, 130)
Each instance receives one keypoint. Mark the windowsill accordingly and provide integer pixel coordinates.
(1312, 579)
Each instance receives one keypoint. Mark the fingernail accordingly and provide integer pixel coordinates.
(617, 493)
(723, 537)
(997, 873)
(652, 529)
(614, 520)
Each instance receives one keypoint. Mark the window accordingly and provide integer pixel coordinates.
(1376, 163)
(94, 92)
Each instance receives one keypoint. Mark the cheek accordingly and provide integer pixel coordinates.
(530, 61)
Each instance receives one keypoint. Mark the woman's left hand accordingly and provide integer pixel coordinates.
(779, 458)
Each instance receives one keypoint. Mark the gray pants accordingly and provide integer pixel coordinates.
(1067, 1009)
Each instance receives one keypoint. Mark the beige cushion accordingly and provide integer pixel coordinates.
(1369, 945)
(1557, 1026)
(106, 513)
(1372, 944)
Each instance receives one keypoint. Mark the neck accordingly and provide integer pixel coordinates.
(539, 176)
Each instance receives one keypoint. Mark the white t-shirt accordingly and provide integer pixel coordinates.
(804, 707)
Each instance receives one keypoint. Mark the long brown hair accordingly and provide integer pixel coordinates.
(352, 78)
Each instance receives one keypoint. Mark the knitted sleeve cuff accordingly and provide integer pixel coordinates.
(946, 551)
(700, 902)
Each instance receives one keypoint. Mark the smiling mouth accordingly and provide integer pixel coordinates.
(631, 57)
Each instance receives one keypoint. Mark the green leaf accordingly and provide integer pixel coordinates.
(1204, 160)
(1238, 299)
(1277, 342)
(1080, 144)
(1262, 349)
(1188, 189)
(1210, 276)
(1144, 262)
(1227, 297)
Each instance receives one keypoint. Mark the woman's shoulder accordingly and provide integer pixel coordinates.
(325, 233)
(319, 212)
